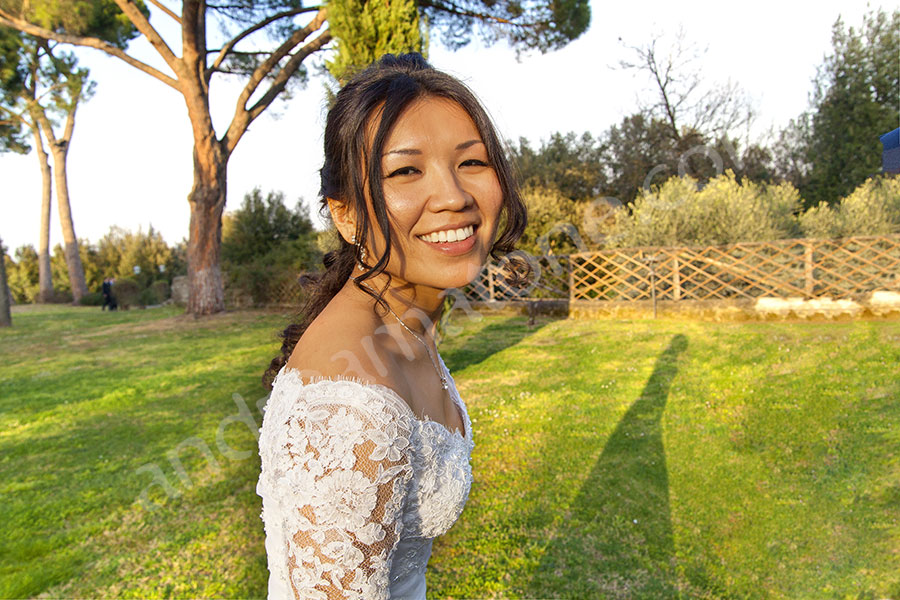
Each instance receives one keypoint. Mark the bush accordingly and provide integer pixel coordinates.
(148, 297)
(161, 288)
(60, 297)
(126, 292)
(724, 211)
(552, 223)
(872, 209)
(92, 299)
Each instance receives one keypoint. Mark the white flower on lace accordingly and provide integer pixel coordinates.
(387, 445)
(370, 533)
(347, 498)
(343, 552)
(305, 581)
(378, 562)
(303, 554)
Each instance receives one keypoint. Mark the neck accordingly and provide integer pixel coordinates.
(418, 307)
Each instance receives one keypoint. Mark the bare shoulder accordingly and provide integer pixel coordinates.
(342, 342)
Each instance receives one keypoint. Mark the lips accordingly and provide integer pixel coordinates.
(447, 248)
(449, 235)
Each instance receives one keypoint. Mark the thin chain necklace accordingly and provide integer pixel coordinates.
(443, 377)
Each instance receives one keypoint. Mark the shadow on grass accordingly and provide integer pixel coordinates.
(482, 342)
(617, 535)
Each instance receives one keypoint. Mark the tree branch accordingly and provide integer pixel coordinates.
(289, 69)
(166, 10)
(147, 30)
(243, 117)
(227, 48)
(450, 8)
(89, 42)
(266, 67)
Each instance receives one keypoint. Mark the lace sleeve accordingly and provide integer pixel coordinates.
(338, 469)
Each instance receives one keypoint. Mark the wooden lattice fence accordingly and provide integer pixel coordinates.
(549, 280)
(809, 268)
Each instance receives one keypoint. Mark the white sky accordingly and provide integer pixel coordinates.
(130, 160)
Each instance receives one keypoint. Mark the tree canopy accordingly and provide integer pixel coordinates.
(834, 146)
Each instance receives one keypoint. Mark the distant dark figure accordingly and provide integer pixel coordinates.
(108, 298)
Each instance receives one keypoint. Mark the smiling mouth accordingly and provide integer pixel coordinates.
(449, 236)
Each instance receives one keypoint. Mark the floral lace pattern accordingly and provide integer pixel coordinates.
(355, 487)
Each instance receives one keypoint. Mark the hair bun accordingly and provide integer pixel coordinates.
(409, 62)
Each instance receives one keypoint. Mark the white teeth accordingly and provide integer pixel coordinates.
(454, 235)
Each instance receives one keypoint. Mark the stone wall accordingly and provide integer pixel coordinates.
(180, 290)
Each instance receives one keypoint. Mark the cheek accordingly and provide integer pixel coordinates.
(404, 210)
(491, 195)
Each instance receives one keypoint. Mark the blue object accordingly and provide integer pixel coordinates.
(890, 157)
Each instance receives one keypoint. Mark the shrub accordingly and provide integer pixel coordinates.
(872, 209)
(161, 288)
(552, 220)
(148, 297)
(92, 299)
(126, 292)
(60, 297)
(724, 211)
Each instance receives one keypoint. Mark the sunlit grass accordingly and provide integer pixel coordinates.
(613, 458)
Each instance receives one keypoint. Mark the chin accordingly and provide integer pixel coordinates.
(462, 275)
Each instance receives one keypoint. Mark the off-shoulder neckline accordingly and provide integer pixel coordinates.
(392, 393)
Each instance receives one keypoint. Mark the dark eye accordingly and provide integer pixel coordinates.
(474, 162)
(403, 171)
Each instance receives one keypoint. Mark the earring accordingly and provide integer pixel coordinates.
(362, 252)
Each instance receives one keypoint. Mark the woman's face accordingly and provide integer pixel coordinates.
(442, 197)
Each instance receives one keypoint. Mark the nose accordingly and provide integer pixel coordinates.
(448, 192)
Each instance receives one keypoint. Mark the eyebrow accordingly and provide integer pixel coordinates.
(413, 151)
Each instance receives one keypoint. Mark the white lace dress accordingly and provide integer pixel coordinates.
(355, 487)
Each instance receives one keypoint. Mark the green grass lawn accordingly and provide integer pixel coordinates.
(629, 459)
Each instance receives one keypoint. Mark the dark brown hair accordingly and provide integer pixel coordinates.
(387, 86)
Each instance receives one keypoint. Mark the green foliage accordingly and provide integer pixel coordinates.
(162, 289)
(541, 25)
(364, 31)
(264, 243)
(148, 297)
(550, 216)
(22, 274)
(12, 130)
(834, 147)
(92, 299)
(60, 297)
(127, 292)
(723, 211)
(641, 151)
(261, 225)
(115, 255)
(872, 209)
(569, 164)
(59, 269)
(120, 250)
(97, 18)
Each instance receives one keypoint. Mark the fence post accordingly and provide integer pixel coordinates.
(808, 261)
(569, 263)
(676, 279)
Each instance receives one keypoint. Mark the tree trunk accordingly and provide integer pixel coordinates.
(45, 291)
(207, 200)
(5, 316)
(73, 258)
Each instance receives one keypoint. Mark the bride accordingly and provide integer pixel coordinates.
(365, 443)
